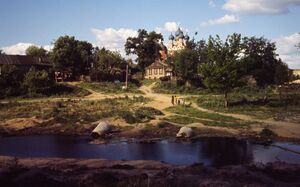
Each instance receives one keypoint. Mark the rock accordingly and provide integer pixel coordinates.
(101, 129)
(185, 132)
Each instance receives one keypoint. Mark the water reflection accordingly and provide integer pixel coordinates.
(209, 151)
(226, 151)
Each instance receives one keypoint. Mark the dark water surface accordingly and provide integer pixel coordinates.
(209, 151)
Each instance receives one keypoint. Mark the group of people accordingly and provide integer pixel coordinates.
(176, 101)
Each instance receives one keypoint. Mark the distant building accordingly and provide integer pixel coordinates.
(296, 72)
(160, 68)
(157, 70)
(178, 42)
(24, 63)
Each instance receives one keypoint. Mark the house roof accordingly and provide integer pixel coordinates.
(158, 64)
(23, 60)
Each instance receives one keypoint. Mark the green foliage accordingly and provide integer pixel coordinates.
(174, 88)
(192, 112)
(260, 61)
(146, 46)
(129, 117)
(108, 66)
(220, 71)
(72, 56)
(37, 82)
(66, 90)
(267, 133)
(110, 87)
(250, 101)
(185, 64)
(282, 73)
(68, 112)
(182, 119)
(10, 81)
(36, 51)
(147, 113)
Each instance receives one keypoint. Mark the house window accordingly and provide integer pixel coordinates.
(150, 71)
(160, 71)
(155, 71)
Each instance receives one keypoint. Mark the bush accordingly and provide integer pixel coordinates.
(10, 81)
(147, 113)
(165, 78)
(129, 117)
(37, 82)
(267, 133)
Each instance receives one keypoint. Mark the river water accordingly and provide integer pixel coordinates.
(209, 151)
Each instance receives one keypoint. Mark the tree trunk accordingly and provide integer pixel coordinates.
(226, 100)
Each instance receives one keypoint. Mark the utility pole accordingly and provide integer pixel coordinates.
(126, 81)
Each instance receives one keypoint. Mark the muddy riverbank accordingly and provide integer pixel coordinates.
(97, 172)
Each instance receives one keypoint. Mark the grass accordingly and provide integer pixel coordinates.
(141, 114)
(173, 88)
(250, 102)
(188, 115)
(185, 120)
(192, 112)
(59, 90)
(148, 82)
(182, 119)
(110, 87)
(72, 111)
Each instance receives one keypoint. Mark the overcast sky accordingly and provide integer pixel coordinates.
(109, 22)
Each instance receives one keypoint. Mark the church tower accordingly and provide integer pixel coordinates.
(178, 42)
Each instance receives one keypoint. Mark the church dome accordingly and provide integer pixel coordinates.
(181, 36)
(179, 33)
(186, 37)
(171, 37)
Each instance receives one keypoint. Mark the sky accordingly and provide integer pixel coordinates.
(108, 23)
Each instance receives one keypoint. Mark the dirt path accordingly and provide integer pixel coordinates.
(159, 101)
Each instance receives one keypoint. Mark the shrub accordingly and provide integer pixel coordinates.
(165, 78)
(129, 117)
(267, 133)
(146, 113)
(10, 80)
(37, 82)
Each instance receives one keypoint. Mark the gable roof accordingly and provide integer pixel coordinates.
(158, 64)
(23, 60)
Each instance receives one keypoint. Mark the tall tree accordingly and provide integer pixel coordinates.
(185, 64)
(108, 66)
(72, 56)
(220, 71)
(282, 73)
(36, 51)
(260, 60)
(146, 46)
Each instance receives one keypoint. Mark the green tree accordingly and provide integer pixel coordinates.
(108, 66)
(146, 46)
(10, 81)
(185, 64)
(36, 51)
(72, 56)
(260, 60)
(220, 71)
(282, 73)
(37, 82)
